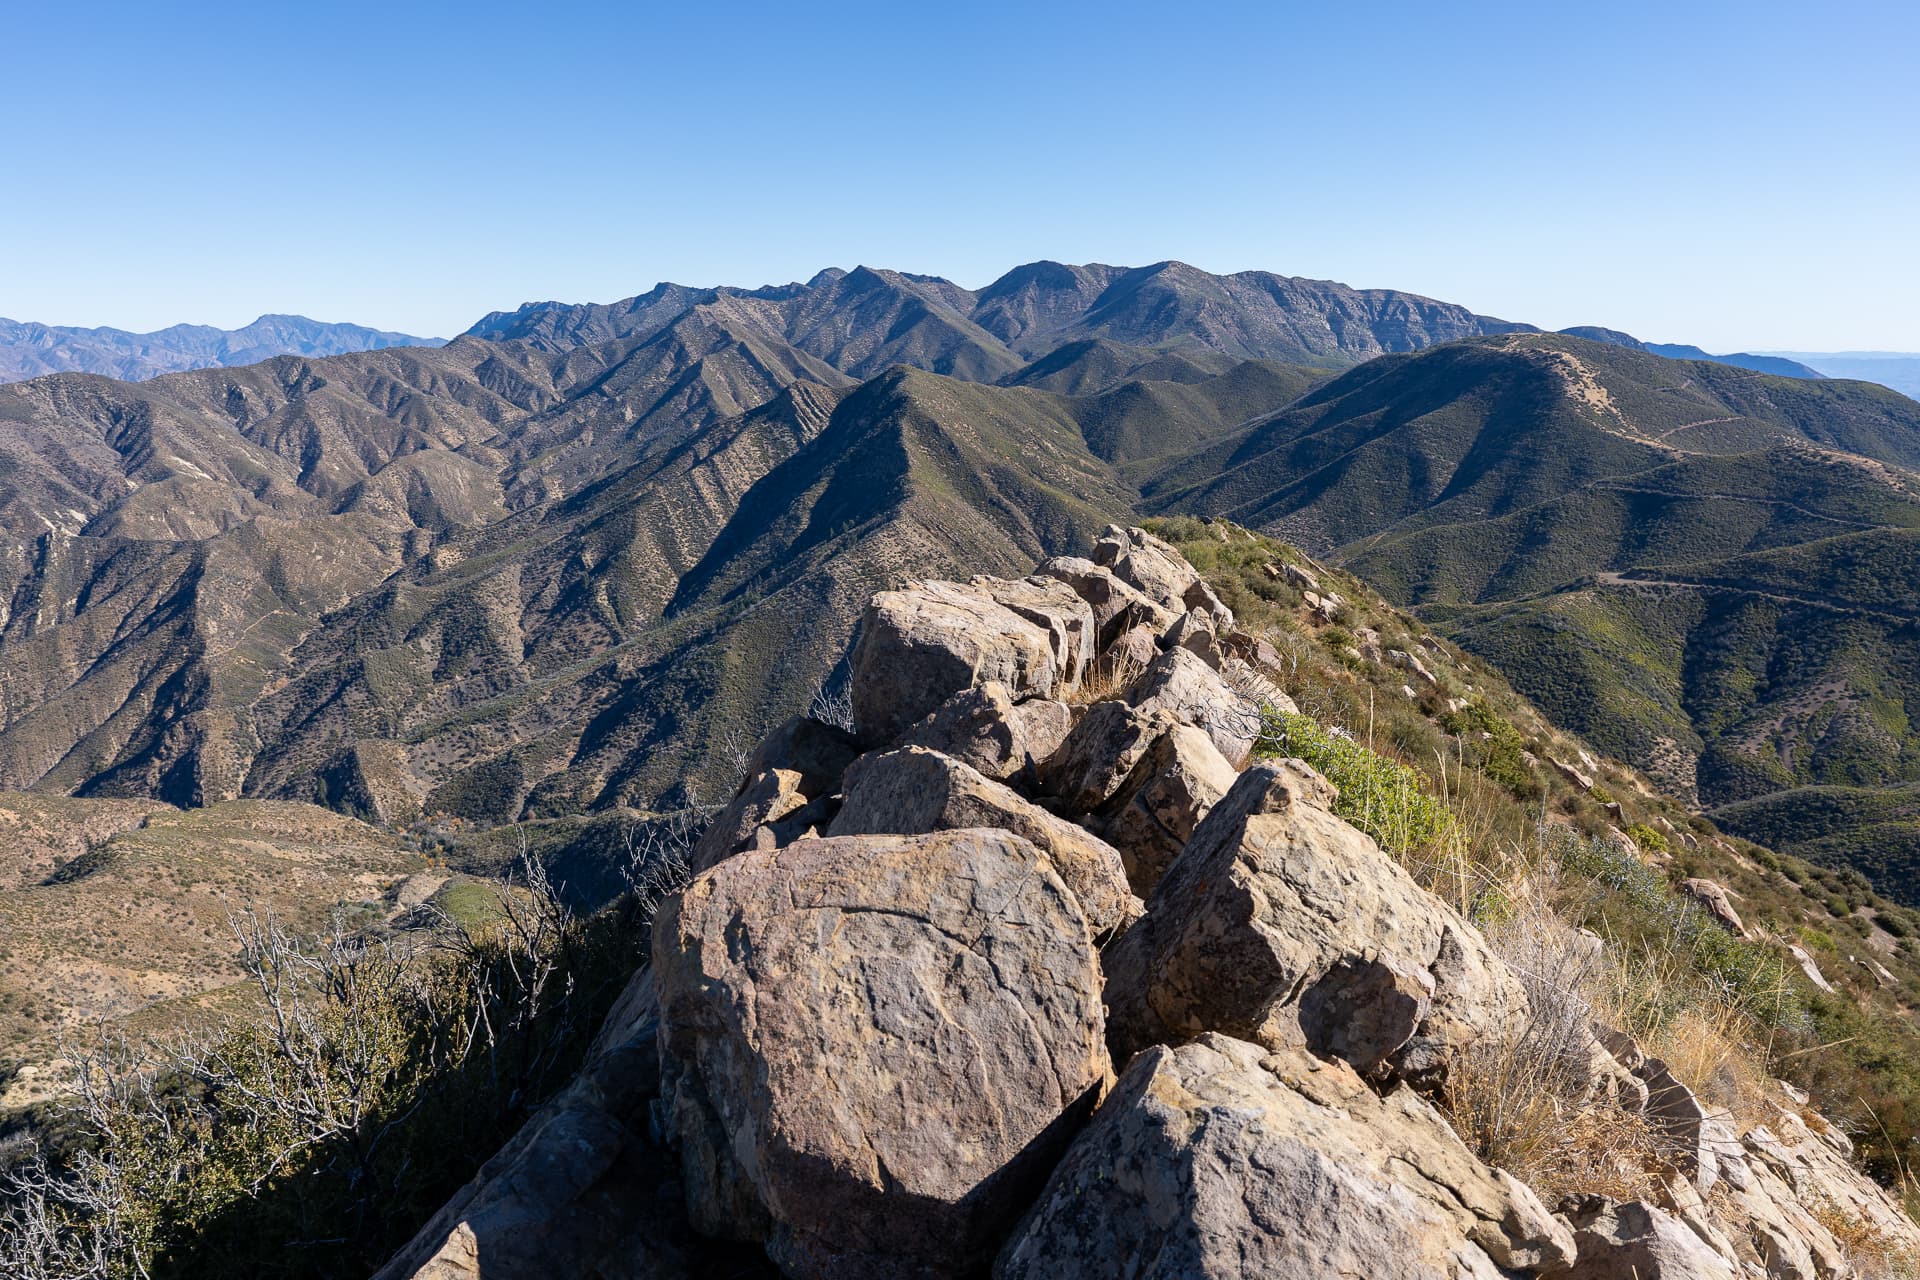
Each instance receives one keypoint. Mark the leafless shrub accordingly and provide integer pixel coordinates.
(832, 700)
(660, 858)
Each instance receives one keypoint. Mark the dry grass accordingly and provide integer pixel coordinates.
(1527, 1104)
(1872, 1253)
(1103, 682)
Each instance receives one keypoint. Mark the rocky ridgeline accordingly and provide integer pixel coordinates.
(883, 1024)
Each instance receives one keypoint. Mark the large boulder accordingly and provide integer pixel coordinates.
(1146, 564)
(1181, 683)
(913, 790)
(874, 1048)
(1181, 776)
(921, 645)
(787, 789)
(1280, 923)
(1639, 1241)
(1117, 607)
(1220, 1159)
(985, 729)
(1100, 754)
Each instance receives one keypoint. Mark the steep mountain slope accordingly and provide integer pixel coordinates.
(1701, 569)
(524, 574)
(28, 350)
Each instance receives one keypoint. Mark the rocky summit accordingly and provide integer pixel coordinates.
(1055, 960)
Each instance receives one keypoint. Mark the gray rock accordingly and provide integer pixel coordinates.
(921, 645)
(912, 791)
(1181, 776)
(1280, 923)
(1221, 1160)
(874, 1048)
(1638, 1241)
(983, 728)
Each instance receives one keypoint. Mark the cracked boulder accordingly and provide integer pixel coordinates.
(1181, 683)
(1117, 607)
(921, 645)
(873, 1049)
(1146, 564)
(913, 790)
(1222, 1159)
(985, 729)
(1181, 776)
(1280, 923)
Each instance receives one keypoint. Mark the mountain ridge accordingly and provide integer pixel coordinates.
(29, 349)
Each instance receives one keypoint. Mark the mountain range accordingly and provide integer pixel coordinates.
(29, 350)
(575, 557)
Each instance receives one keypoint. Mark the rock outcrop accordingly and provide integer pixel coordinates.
(877, 1038)
(1279, 923)
(1222, 1159)
(873, 1048)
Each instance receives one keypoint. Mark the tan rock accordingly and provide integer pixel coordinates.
(1100, 754)
(1117, 607)
(874, 1048)
(789, 781)
(1718, 903)
(1181, 776)
(913, 791)
(1181, 684)
(1147, 564)
(921, 645)
(1282, 924)
(1639, 1241)
(1221, 1159)
(983, 728)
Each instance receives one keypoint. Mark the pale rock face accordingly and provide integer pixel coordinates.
(1280, 923)
(1147, 564)
(913, 791)
(1181, 777)
(920, 646)
(1639, 1241)
(984, 729)
(873, 1048)
(1180, 683)
(1117, 607)
(1718, 902)
(1222, 1159)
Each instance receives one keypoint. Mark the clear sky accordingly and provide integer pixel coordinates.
(1735, 175)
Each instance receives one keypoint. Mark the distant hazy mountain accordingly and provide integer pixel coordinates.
(1899, 370)
(28, 350)
(1772, 362)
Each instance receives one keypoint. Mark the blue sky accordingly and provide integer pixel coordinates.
(1740, 176)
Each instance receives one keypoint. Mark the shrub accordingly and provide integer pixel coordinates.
(1385, 799)
(375, 1078)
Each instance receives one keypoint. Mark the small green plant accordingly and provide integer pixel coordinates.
(1387, 800)
(1649, 840)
